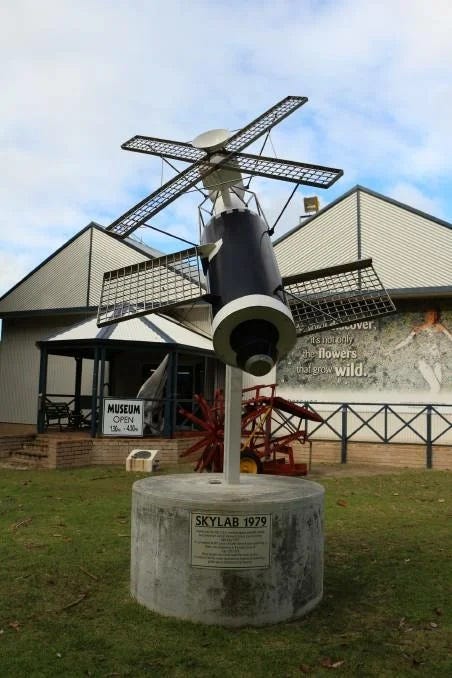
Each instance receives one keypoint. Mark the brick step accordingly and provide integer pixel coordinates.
(31, 451)
(33, 448)
(23, 461)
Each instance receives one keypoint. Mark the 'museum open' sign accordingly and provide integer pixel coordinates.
(122, 417)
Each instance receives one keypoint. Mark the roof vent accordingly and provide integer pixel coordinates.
(311, 206)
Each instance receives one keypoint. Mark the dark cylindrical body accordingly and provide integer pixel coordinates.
(245, 262)
(252, 327)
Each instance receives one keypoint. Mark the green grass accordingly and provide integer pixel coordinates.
(65, 608)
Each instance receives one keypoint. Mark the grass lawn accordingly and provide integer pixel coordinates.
(65, 608)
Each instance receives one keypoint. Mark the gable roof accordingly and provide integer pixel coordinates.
(155, 329)
(70, 279)
(411, 250)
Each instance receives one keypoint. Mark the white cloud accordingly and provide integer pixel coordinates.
(13, 268)
(420, 200)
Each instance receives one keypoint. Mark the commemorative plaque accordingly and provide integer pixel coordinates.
(230, 541)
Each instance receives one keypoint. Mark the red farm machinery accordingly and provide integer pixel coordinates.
(270, 425)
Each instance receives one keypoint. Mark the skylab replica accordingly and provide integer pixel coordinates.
(181, 566)
(256, 314)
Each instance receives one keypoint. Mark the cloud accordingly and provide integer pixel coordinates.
(414, 197)
(83, 77)
(15, 268)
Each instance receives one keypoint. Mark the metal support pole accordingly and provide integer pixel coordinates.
(77, 387)
(174, 393)
(42, 390)
(232, 425)
(344, 435)
(429, 450)
(94, 393)
(103, 353)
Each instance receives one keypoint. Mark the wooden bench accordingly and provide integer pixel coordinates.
(56, 413)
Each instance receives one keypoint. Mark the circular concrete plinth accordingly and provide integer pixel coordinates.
(227, 554)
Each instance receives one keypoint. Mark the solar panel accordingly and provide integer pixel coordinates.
(201, 167)
(287, 170)
(336, 296)
(153, 285)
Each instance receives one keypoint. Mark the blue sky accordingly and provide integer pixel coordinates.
(81, 78)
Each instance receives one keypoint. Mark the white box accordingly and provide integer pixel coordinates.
(143, 461)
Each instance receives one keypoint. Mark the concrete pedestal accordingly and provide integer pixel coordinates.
(227, 554)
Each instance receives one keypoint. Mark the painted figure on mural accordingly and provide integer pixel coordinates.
(429, 363)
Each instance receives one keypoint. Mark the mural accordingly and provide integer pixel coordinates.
(405, 356)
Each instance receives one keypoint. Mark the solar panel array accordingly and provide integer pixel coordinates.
(264, 122)
(170, 149)
(159, 199)
(136, 216)
(287, 170)
(150, 286)
(341, 295)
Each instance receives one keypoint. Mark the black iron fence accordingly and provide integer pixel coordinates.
(409, 423)
(415, 423)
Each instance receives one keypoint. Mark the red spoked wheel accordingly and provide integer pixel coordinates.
(211, 424)
(269, 424)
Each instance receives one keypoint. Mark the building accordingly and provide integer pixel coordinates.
(402, 360)
(405, 357)
(386, 381)
(51, 347)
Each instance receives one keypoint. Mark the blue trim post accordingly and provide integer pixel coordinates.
(94, 393)
(174, 393)
(42, 389)
(100, 416)
(429, 448)
(344, 435)
(77, 386)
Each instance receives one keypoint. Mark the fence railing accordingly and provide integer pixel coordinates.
(414, 423)
(421, 423)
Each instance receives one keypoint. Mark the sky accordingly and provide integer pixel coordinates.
(80, 78)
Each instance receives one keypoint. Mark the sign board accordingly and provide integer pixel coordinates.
(122, 417)
(236, 541)
(402, 357)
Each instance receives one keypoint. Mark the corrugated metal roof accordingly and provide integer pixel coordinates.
(60, 281)
(108, 253)
(320, 242)
(194, 316)
(72, 276)
(155, 329)
(142, 247)
(410, 249)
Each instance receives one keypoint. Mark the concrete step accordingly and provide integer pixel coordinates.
(20, 464)
(33, 448)
(27, 459)
(16, 464)
(27, 451)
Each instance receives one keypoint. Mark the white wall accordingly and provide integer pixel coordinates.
(19, 366)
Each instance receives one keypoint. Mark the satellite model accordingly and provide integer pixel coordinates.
(256, 314)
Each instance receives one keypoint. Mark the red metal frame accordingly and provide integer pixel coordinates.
(269, 424)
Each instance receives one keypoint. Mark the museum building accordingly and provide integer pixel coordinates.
(51, 349)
